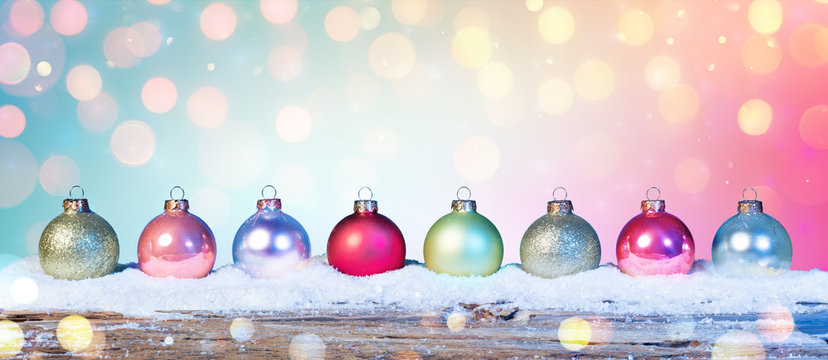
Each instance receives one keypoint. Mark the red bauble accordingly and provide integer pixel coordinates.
(655, 243)
(366, 242)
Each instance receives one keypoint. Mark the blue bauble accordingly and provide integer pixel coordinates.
(752, 243)
(270, 242)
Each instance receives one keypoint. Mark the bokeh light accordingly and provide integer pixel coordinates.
(207, 107)
(679, 104)
(369, 18)
(477, 158)
(158, 2)
(775, 323)
(362, 91)
(574, 333)
(279, 12)
(294, 182)
(495, 80)
(761, 54)
(597, 155)
(26, 17)
(594, 80)
(755, 117)
(242, 329)
(342, 24)
(84, 82)
(765, 16)
(635, 27)
(12, 121)
(306, 346)
(472, 47)
(58, 174)
(213, 205)
(44, 69)
(414, 86)
(392, 55)
(409, 12)
(132, 143)
(19, 176)
(471, 16)
(117, 48)
(456, 321)
(556, 25)
(218, 21)
(555, 96)
(14, 63)
(98, 114)
(11, 338)
(692, 175)
(534, 5)
(143, 39)
(74, 333)
(381, 144)
(24, 290)
(68, 17)
(293, 123)
(284, 63)
(738, 344)
(813, 127)
(233, 156)
(159, 95)
(352, 173)
(507, 111)
(804, 45)
(662, 72)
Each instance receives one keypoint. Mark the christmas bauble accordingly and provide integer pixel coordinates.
(177, 243)
(366, 242)
(751, 243)
(463, 242)
(270, 242)
(559, 243)
(655, 242)
(78, 244)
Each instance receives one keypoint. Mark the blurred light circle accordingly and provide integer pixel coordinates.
(472, 47)
(14, 63)
(662, 72)
(477, 158)
(362, 91)
(506, 111)
(295, 182)
(158, 2)
(44, 46)
(635, 27)
(755, 117)
(692, 175)
(11, 338)
(84, 82)
(132, 143)
(306, 346)
(601, 329)
(534, 5)
(278, 11)
(574, 333)
(284, 63)
(242, 329)
(738, 344)
(469, 17)
(409, 12)
(804, 45)
(44, 69)
(33, 236)
(597, 155)
(351, 173)
(213, 206)
(207, 107)
(392, 55)
(24, 290)
(813, 127)
(293, 123)
(494, 80)
(58, 174)
(233, 156)
(68, 17)
(594, 80)
(765, 16)
(159, 95)
(679, 104)
(12, 121)
(775, 323)
(342, 24)
(74, 333)
(218, 21)
(98, 114)
(555, 96)
(414, 86)
(19, 175)
(116, 47)
(143, 39)
(761, 54)
(456, 321)
(381, 144)
(26, 17)
(556, 25)
(369, 18)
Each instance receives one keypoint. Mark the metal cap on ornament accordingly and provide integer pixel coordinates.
(73, 204)
(271, 203)
(560, 207)
(176, 205)
(750, 206)
(650, 205)
(463, 205)
(365, 205)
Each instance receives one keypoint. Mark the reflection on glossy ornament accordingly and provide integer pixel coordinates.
(78, 244)
(655, 242)
(177, 243)
(751, 243)
(270, 242)
(559, 243)
(463, 242)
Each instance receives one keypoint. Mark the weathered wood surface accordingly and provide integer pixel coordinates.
(489, 333)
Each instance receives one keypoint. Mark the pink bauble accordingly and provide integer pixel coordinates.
(366, 242)
(177, 243)
(655, 243)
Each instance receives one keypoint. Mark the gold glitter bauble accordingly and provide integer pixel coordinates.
(78, 244)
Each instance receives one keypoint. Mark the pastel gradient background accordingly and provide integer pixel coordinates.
(414, 98)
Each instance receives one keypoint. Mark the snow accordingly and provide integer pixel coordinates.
(319, 287)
